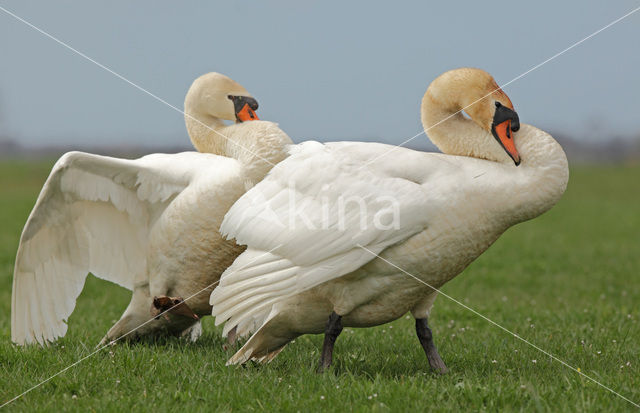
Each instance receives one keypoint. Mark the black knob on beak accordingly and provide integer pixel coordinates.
(504, 113)
(253, 104)
(240, 101)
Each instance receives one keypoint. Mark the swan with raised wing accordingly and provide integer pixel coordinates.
(150, 224)
(334, 232)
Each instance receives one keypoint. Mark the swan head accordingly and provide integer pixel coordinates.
(475, 92)
(214, 95)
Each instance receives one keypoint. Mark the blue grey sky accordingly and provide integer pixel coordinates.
(325, 70)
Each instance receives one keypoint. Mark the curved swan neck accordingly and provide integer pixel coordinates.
(515, 193)
(206, 105)
(259, 145)
(205, 132)
(447, 127)
(473, 91)
(542, 177)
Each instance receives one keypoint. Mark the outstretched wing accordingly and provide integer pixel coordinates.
(302, 231)
(92, 215)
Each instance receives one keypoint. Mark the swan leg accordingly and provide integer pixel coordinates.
(426, 339)
(331, 333)
(124, 328)
(135, 322)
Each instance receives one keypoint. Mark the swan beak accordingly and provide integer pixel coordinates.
(246, 114)
(244, 107)
(504, 135)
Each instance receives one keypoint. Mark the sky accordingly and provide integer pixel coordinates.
(324, 70)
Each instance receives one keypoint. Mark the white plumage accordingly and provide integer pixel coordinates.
(319, 236)
(149, 225)
(306, 259)
(94, 215)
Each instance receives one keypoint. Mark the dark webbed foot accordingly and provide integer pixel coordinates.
(426, 339)
(331, 333)
(163, 305)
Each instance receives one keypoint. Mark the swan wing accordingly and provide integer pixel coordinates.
(92, 215)
(306, 224)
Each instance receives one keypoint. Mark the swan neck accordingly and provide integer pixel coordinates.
(509, 193)
(258, 145)
(205, 132)
(451, 131)
(540, 180)
(472, 91)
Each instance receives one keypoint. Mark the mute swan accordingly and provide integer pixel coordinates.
(150, 224)
(430, 214)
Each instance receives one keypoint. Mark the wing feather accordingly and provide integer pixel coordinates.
(302, 232)
(92, 215)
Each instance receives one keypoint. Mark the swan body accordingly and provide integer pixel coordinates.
(149, 225)
(425, 214)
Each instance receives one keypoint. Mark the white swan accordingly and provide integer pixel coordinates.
(315, 224)
(150, 224)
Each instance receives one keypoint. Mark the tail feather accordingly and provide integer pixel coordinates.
(262, 346)
(269, 357)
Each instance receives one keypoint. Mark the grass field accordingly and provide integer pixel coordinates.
(568, 281)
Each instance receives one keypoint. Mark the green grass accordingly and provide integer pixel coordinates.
(568, 281)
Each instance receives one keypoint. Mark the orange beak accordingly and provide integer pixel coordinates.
(503, 134)
(244, 107)
(246, 114)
